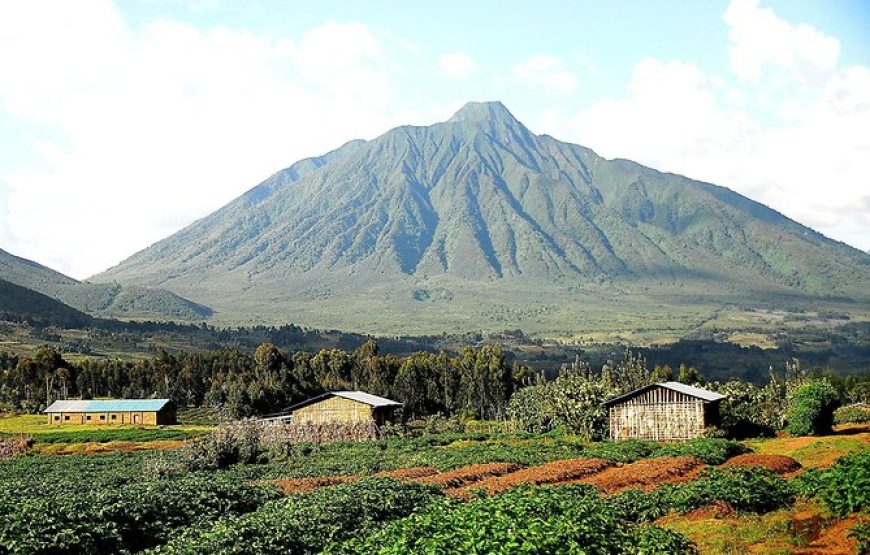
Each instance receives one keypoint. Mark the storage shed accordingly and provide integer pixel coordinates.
(344, 406)
(660, 411)
(147, 412)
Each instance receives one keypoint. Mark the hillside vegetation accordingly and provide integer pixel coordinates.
(107, 300)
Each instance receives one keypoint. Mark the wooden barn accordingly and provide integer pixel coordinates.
(147, 412)
(662, 411)
(346, 407)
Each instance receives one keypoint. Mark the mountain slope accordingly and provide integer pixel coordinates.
(99, 299)
(477, 222)
(20, 302)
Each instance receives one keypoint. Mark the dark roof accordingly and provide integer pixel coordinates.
(704, 394)
(358, 396)
(108, 405)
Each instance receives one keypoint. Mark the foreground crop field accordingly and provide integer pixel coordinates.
(441, 493)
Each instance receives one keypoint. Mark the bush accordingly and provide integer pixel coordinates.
(575, 401)
(228, 444)
(811, 409)
(852, 414)
(749, 410)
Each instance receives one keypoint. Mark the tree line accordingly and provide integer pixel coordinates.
(476, 382)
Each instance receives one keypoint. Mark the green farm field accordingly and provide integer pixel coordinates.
(440, 493)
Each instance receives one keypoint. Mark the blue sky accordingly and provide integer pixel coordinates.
(122, 122)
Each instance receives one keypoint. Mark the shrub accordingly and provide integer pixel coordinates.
(852, 414)
(811, 409)
(575, 401)
(228, 444)
(749, 410)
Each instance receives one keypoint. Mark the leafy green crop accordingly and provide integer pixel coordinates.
(556, 520)
(842, 489)
(306, 523)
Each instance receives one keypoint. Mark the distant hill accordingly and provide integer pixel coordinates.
(477, 223)
(18, 302)
(99, 299)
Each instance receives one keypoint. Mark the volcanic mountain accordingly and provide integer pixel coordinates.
(477, 223)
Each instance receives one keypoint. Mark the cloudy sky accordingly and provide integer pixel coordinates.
(121, 123)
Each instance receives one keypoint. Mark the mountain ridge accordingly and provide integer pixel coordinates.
(448, 211)
(98, 299)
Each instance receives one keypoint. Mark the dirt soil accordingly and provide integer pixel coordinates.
(780, 464)
(830, 537)
(468, 474)
(716, 509)
(646, 474)
(555, 472)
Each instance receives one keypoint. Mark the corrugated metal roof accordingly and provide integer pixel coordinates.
(359, 396)
(108, 405)
(367, 398)
(703, 394)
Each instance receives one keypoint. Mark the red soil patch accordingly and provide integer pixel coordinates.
(716, 509)
(828, 537)
(780, 464)
(646, 474)
(468, 474)
(554, 472)
(409, 473)
(306, 485)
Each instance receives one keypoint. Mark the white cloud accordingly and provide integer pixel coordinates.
(546, 72)
(761, 39)
(456, 65)
(812, 165)
(163, 123)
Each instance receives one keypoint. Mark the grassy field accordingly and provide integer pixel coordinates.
(34, 424)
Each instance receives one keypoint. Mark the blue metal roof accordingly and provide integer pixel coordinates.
(109, 405)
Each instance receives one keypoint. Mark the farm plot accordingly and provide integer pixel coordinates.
(780, 464)
(646, 474)
(555, 472)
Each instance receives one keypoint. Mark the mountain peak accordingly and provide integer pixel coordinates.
(482, 112)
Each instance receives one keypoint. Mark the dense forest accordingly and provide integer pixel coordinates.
(478, 381)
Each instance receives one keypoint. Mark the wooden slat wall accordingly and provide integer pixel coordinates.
(657, 414)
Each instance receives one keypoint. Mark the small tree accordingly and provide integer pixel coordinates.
(811, 409)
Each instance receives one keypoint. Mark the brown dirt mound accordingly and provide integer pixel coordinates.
(646, 474)
(780, 464)
(828, 537)
(716, 509)
(306, 485)
(409, 473)
(554, 472)
(468, 474)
